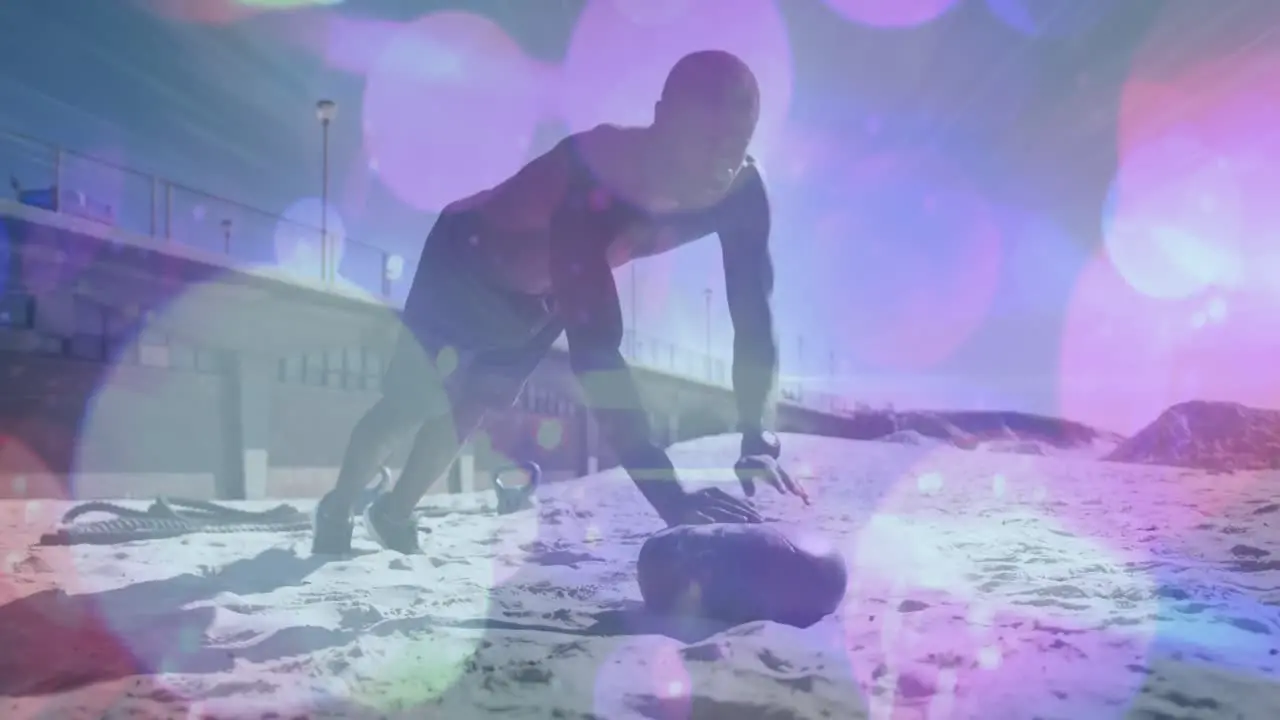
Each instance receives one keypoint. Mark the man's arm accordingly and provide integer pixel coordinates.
(587, 301)
(748, 275)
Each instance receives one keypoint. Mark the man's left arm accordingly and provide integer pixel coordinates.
(748, 274)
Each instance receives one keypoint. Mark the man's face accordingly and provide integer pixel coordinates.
(707, 145)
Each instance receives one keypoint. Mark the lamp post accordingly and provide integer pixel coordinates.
(326, 110)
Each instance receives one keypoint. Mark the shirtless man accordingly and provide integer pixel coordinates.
(504, 272)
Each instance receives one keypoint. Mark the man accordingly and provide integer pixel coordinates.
(504, 272)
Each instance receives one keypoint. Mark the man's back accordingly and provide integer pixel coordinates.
(602, 170)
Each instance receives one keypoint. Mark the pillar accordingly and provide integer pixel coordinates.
(591, 446)
(247, 427)
(463, 475)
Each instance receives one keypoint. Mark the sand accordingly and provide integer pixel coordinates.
(984, 585)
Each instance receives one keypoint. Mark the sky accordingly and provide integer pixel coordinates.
(1059, 206)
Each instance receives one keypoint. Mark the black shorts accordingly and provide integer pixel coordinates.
(463, 339)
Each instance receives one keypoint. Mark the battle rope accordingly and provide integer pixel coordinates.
(173, 517)
(169, 517)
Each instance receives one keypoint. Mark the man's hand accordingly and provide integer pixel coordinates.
(710, 505)
(759, 462)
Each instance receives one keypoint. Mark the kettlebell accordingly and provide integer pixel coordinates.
(515, 498)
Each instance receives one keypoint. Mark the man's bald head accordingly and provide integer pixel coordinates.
(713, 77)
(705, 120)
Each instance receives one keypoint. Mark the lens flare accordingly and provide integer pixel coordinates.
(1127, 356)
(298, 238)
(909, 258)
(958, 614)
(614, 68)
(891, 13)
(450, 108)
(646, 671)
(1051, 18)
(1191, 207)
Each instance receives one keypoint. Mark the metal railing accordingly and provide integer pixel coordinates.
(65, 181)
(170, 213)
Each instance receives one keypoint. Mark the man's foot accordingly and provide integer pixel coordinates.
(390, 531)
(331, 527)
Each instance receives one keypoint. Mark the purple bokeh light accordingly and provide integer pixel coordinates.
(652, 12)
(354, 44)
(297, 238)
(646, 670)
(615, 67)
(1127, 356)
(920, 630)
(1191, 208)
(1173, 221)
(450, 108)
(1051, 18)
(204, 12)
(910, 255)
(891, 13)
(1041, 265)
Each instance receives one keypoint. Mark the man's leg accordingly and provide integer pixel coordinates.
(491, 381)
(412, 391)
(390, 519)
(435, 449)
(372, 441)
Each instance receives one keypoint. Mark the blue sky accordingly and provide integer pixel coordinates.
(944, 177)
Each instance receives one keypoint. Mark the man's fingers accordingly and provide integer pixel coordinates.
(740, 510)
(732, 509)
(758, 467)
(775, 477)
(794, 486)
(716, 505)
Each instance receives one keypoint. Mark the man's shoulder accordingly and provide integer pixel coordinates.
(561, 173)
(602, 133)
(604, 156)
(600, 146)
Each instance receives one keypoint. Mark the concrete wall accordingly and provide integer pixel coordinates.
(118, 431)
(126, 429)
(97, 400)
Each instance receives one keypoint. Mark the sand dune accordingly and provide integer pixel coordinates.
(984, 585)
(969, 429)
(1218, 436)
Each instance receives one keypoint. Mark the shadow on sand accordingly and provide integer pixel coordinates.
(57, 642)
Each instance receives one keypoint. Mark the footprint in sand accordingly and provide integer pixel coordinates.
(1249, 551)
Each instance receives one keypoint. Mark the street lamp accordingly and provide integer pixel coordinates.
(326, 110)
